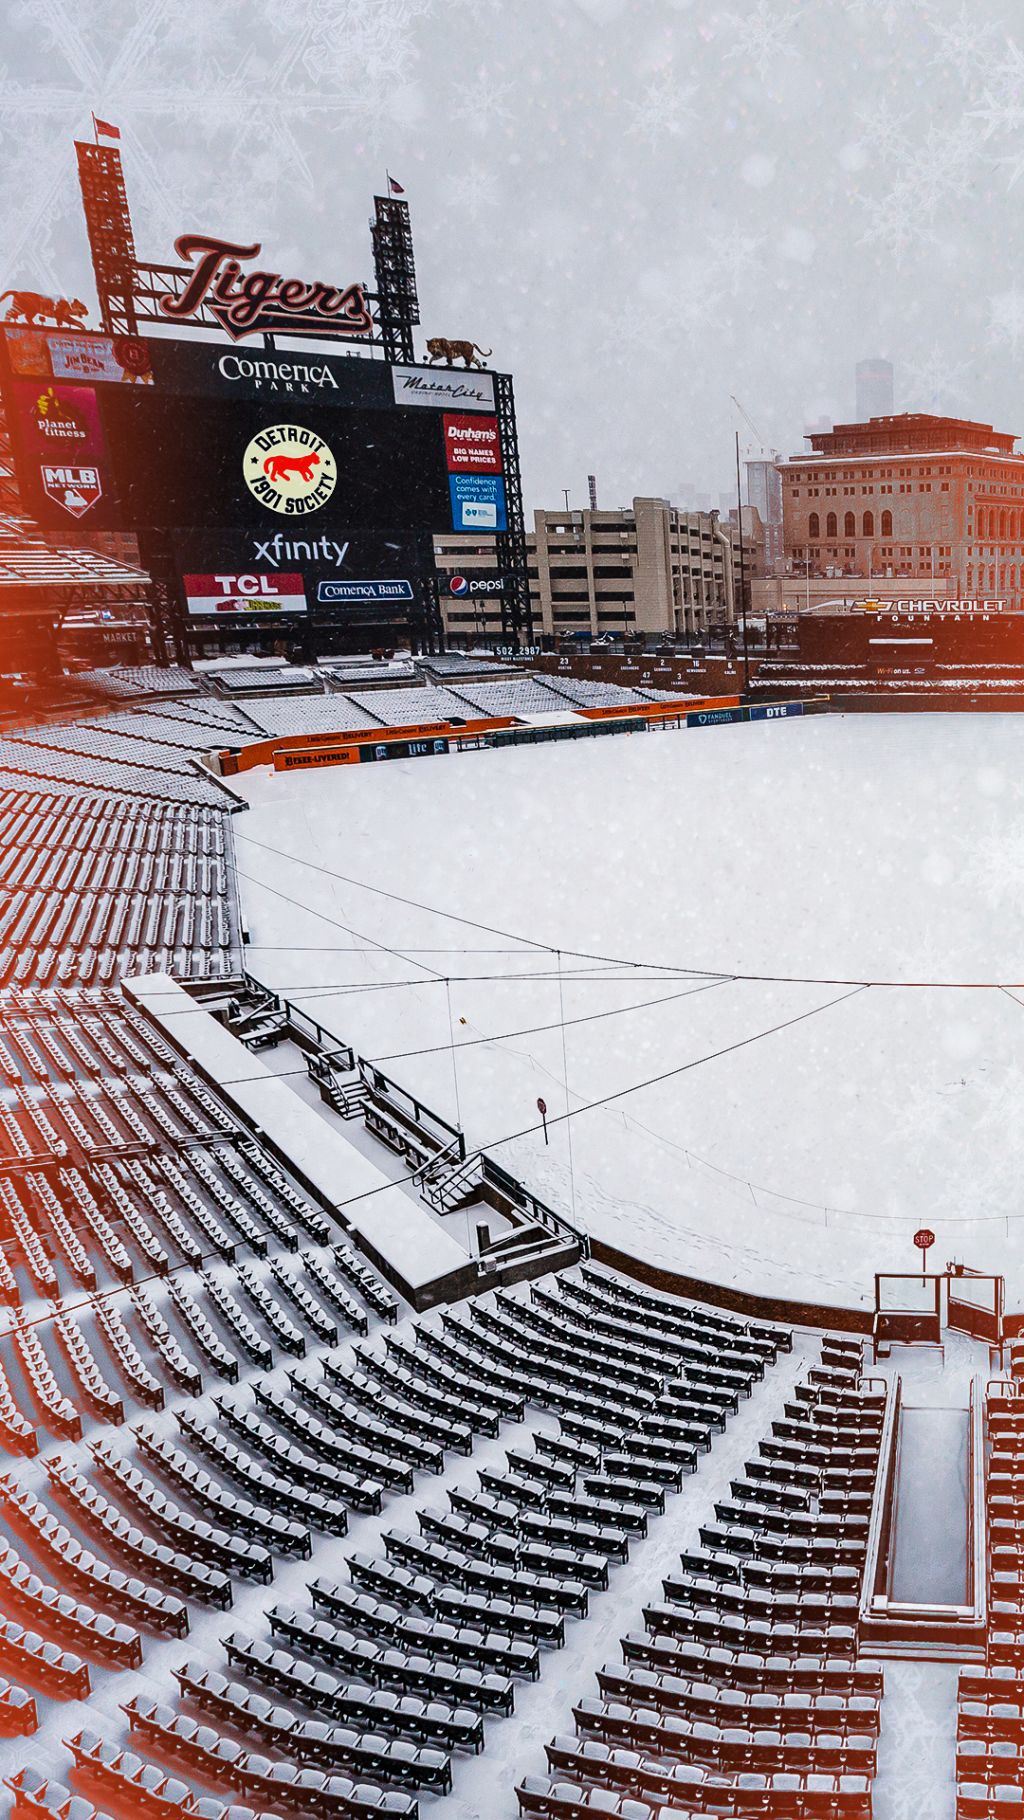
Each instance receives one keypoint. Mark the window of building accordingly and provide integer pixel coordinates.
(869, 524)
(886, 524)
(849, 525)
(831, 529)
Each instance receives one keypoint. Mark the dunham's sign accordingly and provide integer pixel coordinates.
(256, 302)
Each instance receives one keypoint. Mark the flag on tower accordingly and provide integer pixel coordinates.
(104, 127)
(394, 189)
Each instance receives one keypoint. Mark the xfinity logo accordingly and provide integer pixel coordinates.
(277, 375)
(278, 549)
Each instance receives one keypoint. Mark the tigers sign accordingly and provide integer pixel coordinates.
(258, 302)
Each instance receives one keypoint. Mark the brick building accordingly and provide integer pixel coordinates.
(910, 496)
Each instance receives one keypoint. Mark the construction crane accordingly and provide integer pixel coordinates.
(751, 425)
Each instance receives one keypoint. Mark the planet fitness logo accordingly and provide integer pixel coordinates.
(289, 469)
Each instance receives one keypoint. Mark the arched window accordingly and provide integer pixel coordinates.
(869, 524)
(1002, 524)
(814, 525)
(830, 525)
(886, 524)
(982, 521)
(849, 525)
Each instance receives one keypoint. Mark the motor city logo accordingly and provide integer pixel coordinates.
(277, 549)
(289, 469)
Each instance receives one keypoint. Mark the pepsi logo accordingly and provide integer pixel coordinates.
(458, 585)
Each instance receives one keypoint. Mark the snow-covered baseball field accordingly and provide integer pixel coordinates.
(591, 878)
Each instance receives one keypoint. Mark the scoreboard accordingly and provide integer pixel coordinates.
(279, 485)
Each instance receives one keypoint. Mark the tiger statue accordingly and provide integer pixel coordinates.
(466, 351)
(29, 306)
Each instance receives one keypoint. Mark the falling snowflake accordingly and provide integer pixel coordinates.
(887, 13)
(962, 45)
(664, 111)
(736, 260)
(883, 129)
(1001, 108)
(474, 191)
(486, 103)
(933, 382)
(343, 64)
(764, 34)
(1006, 319)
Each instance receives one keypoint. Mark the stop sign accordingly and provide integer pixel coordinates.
(542, 1107)
(923, 1239)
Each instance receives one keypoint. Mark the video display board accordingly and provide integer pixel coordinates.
(285, 483)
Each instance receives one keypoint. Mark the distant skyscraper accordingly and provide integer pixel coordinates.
(764, 493)
(874, 389)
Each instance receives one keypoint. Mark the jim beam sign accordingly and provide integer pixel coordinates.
(254, 302)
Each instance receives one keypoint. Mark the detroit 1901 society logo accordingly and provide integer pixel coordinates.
(289, 469)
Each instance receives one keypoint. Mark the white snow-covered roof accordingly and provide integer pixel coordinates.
(412, 1248)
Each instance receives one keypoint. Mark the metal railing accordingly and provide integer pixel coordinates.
(448, 1140)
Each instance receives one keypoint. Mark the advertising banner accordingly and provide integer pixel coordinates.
(468, 587)
(443, 387)
(715, 717)
(357, 578)
(402, 748)
(478, 502)
(75, 489)
(776, 710)
(243, 594)
(343, 592)
(55, 354)
(57, 422)
(471, 444)
(209, 369)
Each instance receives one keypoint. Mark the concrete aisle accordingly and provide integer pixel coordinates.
(917, 1750)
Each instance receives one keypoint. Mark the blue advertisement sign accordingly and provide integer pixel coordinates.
(714, 717)
(478, 502)
(776, 710)
(363, 590)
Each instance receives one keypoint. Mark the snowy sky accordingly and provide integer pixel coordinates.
(642, 206)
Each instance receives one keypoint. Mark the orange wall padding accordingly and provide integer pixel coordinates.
(270, 751)
(264, 751)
